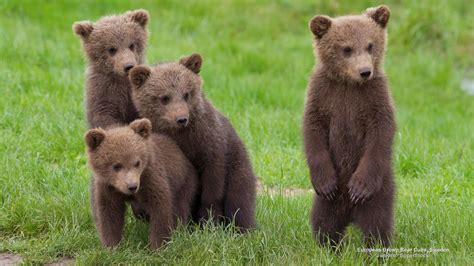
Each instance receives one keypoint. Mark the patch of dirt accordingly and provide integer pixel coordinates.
(10, 259)
(62, 262)
(287, 192)
(15, 259)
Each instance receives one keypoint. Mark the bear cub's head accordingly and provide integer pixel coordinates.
(169, 94)
(118, 156)
(351, 48)
(115, 44)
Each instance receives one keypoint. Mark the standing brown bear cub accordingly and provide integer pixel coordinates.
(170, 95)
(132, 164)
(349, 127)
(113, 45)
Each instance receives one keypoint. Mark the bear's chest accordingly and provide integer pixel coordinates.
(348, 120)
(193, 146)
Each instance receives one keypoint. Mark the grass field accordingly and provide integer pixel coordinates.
(257, 59)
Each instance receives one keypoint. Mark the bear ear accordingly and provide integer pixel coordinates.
(379, 14)
(140, 16)
(83, 28)
(138, 75)
(142, 127)
(192, 62)
(320, 25)
(94, 138)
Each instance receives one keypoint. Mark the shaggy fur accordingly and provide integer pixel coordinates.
(170, 95)
(349, 127)
(113, 45)
(130, 163)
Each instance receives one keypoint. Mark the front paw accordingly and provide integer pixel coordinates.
(326, 187)
(360, 188)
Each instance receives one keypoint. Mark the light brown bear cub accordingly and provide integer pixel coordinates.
(113, 45)
(349, 127)
(170, 95)
(129, 163)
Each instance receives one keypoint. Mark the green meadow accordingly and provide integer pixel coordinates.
(258, 56)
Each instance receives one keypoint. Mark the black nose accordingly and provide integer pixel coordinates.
(133, 188)
(127, 67)
(183, 121)
(365, 73)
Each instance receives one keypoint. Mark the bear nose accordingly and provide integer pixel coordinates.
(182, 121)
(133, 187)
(365, 73)
(127, 67)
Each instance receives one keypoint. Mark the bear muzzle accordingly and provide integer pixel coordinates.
(182, 121)
(365, 72)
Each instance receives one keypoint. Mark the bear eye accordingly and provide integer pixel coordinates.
(131, 47)
(165, 99)
(186, 96)
(137, 164)
(370, 47)
(117, 167)
(347, 51)
(112, 50)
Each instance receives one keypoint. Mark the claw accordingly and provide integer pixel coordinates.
(356, 201)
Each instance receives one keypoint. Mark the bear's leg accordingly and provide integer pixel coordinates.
(329, 219)
(139, 211)
(185, 200)
(375, 219)
(160, 208)
(241, 189)
(109, 212)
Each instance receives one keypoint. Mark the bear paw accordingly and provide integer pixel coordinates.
(360, 190)
(326, 187)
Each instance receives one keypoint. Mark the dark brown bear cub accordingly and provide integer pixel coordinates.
(170, 95)
(131, 164)
(349, 127)
(113, 45)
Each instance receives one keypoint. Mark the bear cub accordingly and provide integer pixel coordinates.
(349, 128)
(130, 164)
(170, 95)
(113, 45)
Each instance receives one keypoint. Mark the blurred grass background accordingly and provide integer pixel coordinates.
(258, 56)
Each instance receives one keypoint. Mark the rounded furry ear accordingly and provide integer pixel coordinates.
(83, 28)
(192, 62)
(142, 127)
(379, 14)
(138, 75)
(94, 138)
(320, 25)
(140, 16)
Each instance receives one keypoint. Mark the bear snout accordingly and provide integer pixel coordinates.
(365, 72)
(182, 121)
(132, 187)
(127, 67)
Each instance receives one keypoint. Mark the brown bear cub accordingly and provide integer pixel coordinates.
(170, 95)
(113, 45)
(349, 127)
(131, 164)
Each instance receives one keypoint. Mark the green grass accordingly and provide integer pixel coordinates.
(257, 59)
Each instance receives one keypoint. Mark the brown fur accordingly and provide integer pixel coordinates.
(130, 156)
(113, 45)
(170, 95)
(349, 127)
